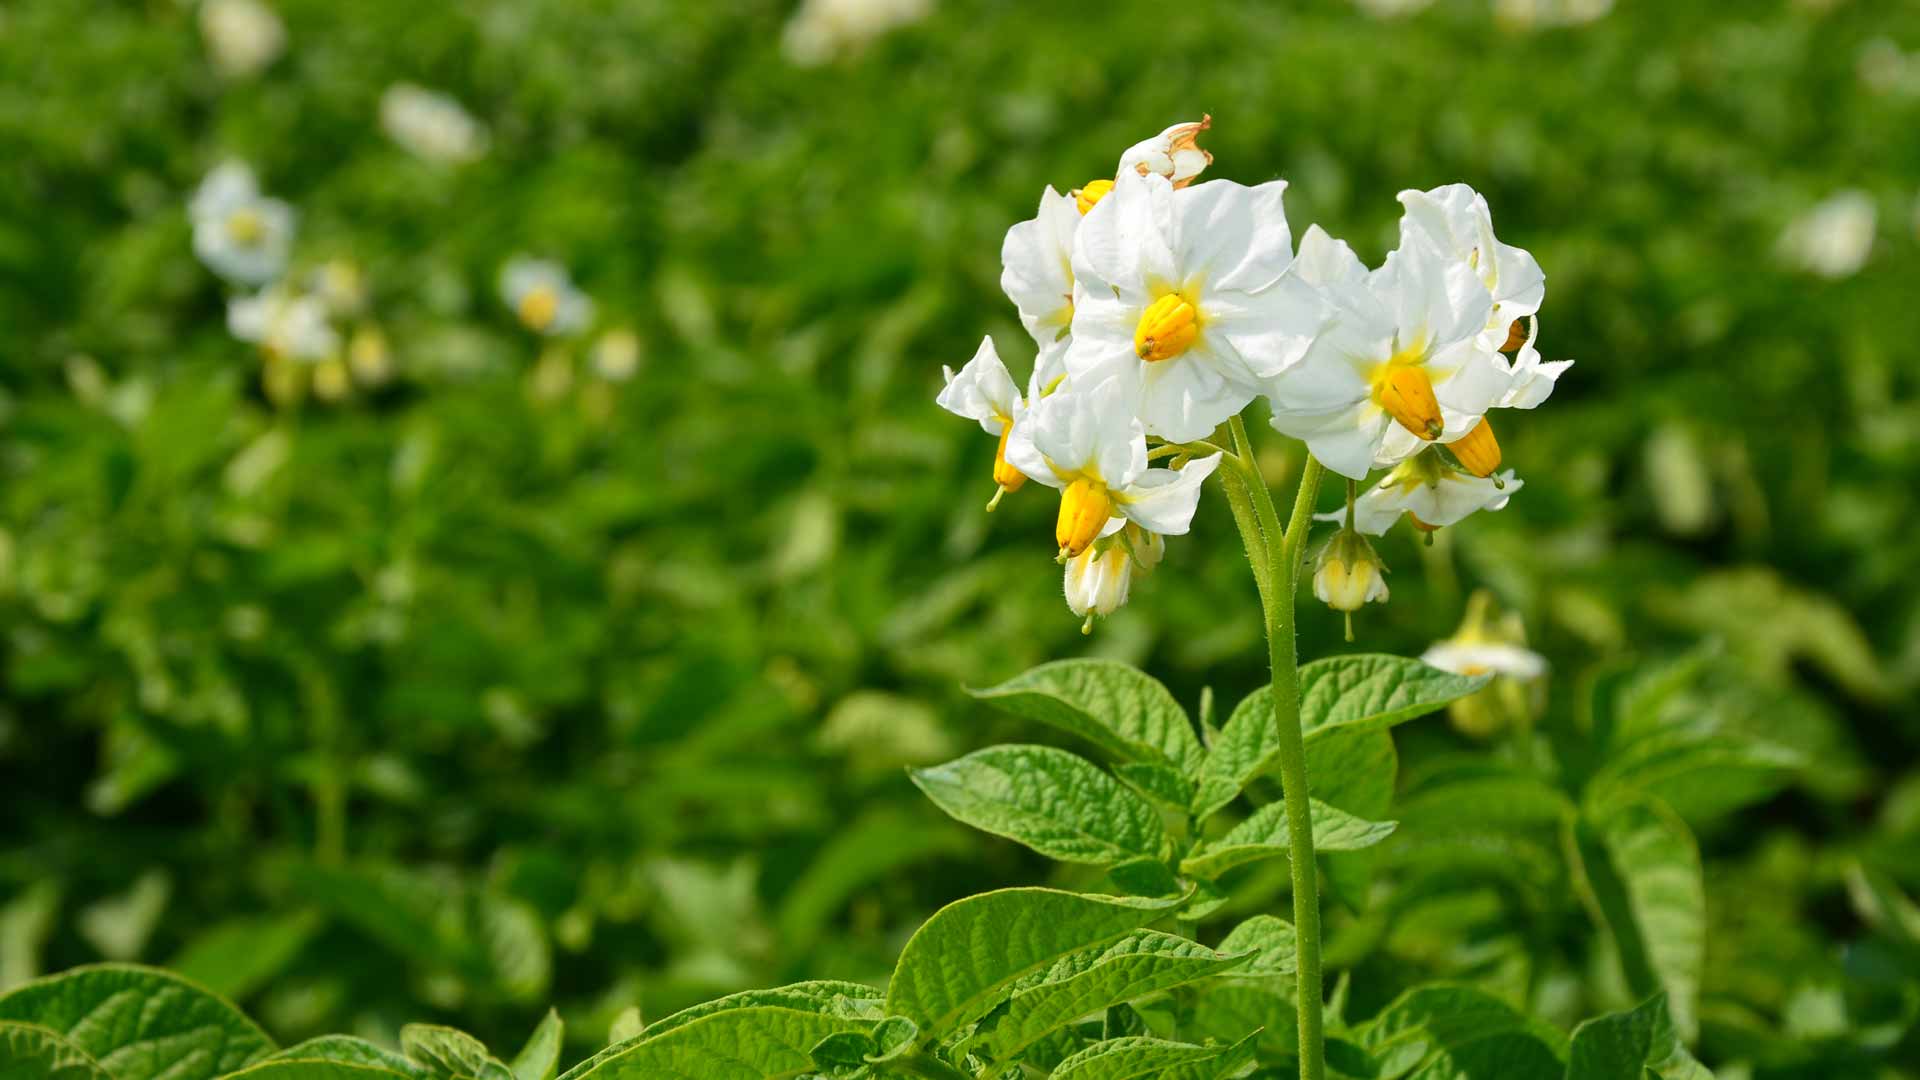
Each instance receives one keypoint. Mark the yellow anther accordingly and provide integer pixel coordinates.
(246, 227)
(1085, 508)
(1004, 474)
(1167, 329)
(1516, 336)
(538, 307)
(1092, 193)
(1406, 393)
(1477, 450)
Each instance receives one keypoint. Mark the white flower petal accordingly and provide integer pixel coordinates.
(982, 391)
(1037, 266)
(1163, 500)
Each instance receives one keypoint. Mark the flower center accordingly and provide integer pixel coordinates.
(1402, 387)
(1477, 450)
(1167, 328)
(538, 307)
(1087, 196)
(1085, 508)
(246, 227)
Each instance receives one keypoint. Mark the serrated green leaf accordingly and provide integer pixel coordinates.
(1264, 836)
(751, 1042)
(1272, 941)
(32, 1052)
(1114, 706)
(969, 955)
(352, 1050)
(539, 1059)
(451, 1053)
(141, 1023)
(238, 956)
(1342, 693)
(1638, 870)
(1144, 1056)
(1139, 964)
(1059, 804)
(1631, 1044)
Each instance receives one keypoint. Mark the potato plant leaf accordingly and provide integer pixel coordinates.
(1059, 804)
(539, 1059)
(140, 1023)
(1115, 706)
(1143, 1056)
(451, 1053)
(1264, 836)
(31, 1052)
(1632, 1043)
(750, 1042)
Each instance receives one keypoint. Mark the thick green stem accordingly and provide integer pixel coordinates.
(1239, 496)
(1284, 577)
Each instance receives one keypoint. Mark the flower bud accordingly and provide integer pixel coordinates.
(1085, 508)
(1097, 581)
(1174, 153)
(1477, 451)
(1406, 393)
(1167, 328)
(1085, 198)
(1348, 574)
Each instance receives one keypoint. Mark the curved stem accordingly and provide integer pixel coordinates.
(1240, 498)
(1284, 578)
(1262, 498)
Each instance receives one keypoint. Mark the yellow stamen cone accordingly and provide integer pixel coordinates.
(1004, 474)
(1086, 197)
(1085, 508)
(1407, 394)
(1168, 328)
(1477, 451)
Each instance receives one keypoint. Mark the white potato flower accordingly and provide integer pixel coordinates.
(1834, 238)
(1183, 298)
(1530, 380)
(240, 234)
(1099, 578)
(543, 296)
(983, 391)
(431, 125)
(1398, 345)
(1037, 268)
(1455, 219)
(1174, 153)
(243, 36)
(616, 356)
(825, 30)
(1089, 445)
(1485, 657)
(284, 323)
(1431, 492)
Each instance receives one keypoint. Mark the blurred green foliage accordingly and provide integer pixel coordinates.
(478, 691)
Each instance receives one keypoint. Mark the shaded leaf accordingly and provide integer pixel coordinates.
(1631, 1044)
(1264, 836)
(31, 1052)
(1639, 872)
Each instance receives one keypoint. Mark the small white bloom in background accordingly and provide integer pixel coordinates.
(1174, 153)
(1092, 448)
(1485, 645)
(1387, 9)
(1527, 14)
(1036, 273)
(369, 356)
(240, 234)
(1184, 298)
(616, 356)
(1456, 221)
(983, 391)
(1400, 345)
(243, 36)
(284, 323)
(543, 296)
(431, 125)
(340, 283)
(825, 30)
(1833, 238)
(1429, 490)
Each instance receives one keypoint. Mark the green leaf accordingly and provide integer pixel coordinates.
(1353, 770)
(751, 1042)
(875, 846)
(1699, 774)
(1448, 1031)
(1270, 938)
(1087, 982)
(1112, 705)
(1631, 1044)
(1059, 804)
(831, 998)
(352, 1050)
(1143, 1056)
(1264, 836)
(141, 1023)
(313, 1069)
(237, 957)
(31, 1052)
(628, 1024)
(1638, 870)
(540, 1058)
(1162, 785)
(450, 1052)
(968, 956)
(1343, 693)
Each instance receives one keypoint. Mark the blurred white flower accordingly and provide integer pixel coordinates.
(616, 356)
(1433, 493)
(240, 234)
(1833, 238)
(243, 36)
(543, 296)
(431, 125)
(1387, 9)
(824, 30)
(340, 283)
(1543, 13)
(285, 324)
(1090, 445)
(1185, 298)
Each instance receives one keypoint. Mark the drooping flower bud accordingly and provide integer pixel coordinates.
(1168, 327)
(1174, 153)
(1097, 581)
(1005, 475)
(1348, 575)
(1477, 451)
(1085, 508)
(1405, 391)
(1085, 198)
